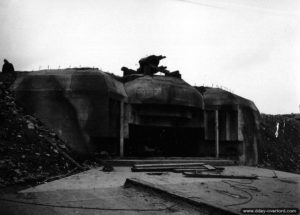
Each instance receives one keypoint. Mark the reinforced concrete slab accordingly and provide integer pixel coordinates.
(114, 201)
(274, 189)
(96, 178)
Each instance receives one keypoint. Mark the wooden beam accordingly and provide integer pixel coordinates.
(168, 165)
(61, 151)
(214, 175)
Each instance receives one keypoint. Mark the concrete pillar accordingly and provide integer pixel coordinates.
(242, 147)
(217, 132)
(228, 126)
(205, 125)
(240, 122)
(121, 129)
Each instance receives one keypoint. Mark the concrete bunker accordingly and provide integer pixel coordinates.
(82, 107)
(231, 125)
(141, 115)
(164, 117)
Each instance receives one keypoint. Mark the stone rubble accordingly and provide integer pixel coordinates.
(280, 143)
(25, 153)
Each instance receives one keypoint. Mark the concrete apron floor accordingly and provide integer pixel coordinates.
(226, 194)
(118, 200)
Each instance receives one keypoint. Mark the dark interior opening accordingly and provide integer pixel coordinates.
(107, 145)
(154, 141)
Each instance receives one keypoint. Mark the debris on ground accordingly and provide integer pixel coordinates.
(217, 175)
(173, 167)
(29, 152)
(107, 168)
(279, 147)
(216, 169)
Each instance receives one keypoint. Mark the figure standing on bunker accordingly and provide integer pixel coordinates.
(7, 67)
(149, 65)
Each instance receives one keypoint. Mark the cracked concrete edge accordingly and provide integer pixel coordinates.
(178, 196)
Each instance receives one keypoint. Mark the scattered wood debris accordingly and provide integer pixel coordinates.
(174, 167)
(216, 169)
(214, 175)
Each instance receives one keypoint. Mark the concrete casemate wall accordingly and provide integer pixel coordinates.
(162, 101)
(247, 121)
(73, 103)
(84, 107)
(161, 90)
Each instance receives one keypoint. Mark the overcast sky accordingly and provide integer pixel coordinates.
(251, 47)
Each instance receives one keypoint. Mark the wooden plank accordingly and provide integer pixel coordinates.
(62, 152)
(188, 170)
(166, 169)
(219, 169)
(168, 164)
(201, 175)
(209, 167)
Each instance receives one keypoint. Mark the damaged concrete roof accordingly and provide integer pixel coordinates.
(220, 97)
(163, 90)
(69, 80)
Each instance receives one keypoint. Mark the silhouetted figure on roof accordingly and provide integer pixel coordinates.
(7, 67)
(152, 59)
(127, 71)
(175, 74)
(149, 65)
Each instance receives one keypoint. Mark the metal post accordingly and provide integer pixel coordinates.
(217, 132)
(121, 129)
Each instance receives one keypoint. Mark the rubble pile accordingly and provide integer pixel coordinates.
(280, 143)
(29, 152)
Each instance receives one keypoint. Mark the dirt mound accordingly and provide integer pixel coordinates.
(28, 150)
(280, 143)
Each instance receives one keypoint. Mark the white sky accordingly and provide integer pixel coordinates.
(249, 46)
